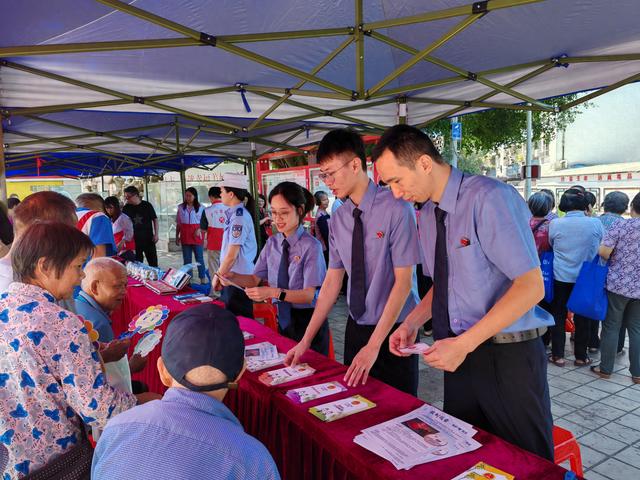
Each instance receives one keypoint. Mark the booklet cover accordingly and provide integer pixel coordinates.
(287, 374)
(254, 365)
(482, 471)
(306, 394)
(328, 412)
(261, 351)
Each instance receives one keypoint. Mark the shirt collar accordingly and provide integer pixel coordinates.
(449, 199)
(32, 291)
(293, 239)
(575, 213)
(368, 198)
(84, 296)
(200, 401)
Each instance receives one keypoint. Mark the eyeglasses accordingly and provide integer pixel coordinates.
(330, 175)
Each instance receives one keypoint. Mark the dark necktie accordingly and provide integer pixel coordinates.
(440, 304)
(358, 290)
(284, 308)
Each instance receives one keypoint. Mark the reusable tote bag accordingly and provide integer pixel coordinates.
(589, 297)
(546, 265)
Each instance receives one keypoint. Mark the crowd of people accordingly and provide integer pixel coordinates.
(64, 374)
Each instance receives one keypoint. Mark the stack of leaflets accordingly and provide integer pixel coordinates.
(328, 412)
(482, 471)
(262, 355)
(178, 279)
(306, 394)
(287, 374)
(159, 287)
(192, 298)
(421, 436)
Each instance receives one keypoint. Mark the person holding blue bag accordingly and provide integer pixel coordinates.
(575, 238)
(621, 246)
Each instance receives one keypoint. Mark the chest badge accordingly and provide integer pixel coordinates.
(380, 234)
(465, 242)
(236, 231)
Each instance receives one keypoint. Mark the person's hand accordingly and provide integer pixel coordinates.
(155, 238)
(177, 241)
(115, 350)
(137, 363)
(446, 354)
(260, 294)
(147, 397)
(293, 355)
(198, 233)
(404, 336)
(361, 365)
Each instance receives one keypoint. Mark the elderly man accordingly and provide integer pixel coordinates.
(190, 433)
(103, 289)
(37, 207)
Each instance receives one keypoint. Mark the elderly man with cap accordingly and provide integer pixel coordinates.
(190, 433)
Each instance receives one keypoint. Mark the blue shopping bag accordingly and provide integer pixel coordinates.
(546, 265)
(589, 297)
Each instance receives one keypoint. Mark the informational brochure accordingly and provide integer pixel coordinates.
(261, 351)
(254, 365)
(247, 335)
(421, 436)
(306, 394)
(328, 412)
(482, 471)
(416, 348)
(287, 374)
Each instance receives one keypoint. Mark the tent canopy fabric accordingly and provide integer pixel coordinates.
(168, 84)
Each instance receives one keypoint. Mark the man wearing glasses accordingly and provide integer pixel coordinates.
(145, 225)
(373, 238)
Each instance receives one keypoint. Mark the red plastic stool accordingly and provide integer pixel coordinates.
(267, 312)
(565, 448)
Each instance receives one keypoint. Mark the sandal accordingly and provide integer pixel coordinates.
(596, 369)
(557, 361)
(583, 363)
(636, 380)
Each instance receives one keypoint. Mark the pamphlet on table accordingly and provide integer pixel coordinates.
(257, 365)
(262, 355)
(421, 436)
(306, 394)
(329, 412)
(482, 471)
(287, 374)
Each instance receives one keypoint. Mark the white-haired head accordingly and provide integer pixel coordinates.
(106, 282)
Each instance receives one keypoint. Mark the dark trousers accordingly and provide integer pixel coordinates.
(237, 302)
(546, 338)
(561, 293)
(148, 248)
(399, 372)
(594, 334)
(503, 389)
(300, 318)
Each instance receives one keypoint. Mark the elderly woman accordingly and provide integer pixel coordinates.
(540, 204)
(621, 245)
(51, 379)
(575, 239)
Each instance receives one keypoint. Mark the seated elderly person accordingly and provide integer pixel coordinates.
(40, 206)
(103, 289)
(51, 379)
(190, 433)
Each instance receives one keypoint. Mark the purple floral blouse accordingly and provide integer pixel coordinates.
(624, 265)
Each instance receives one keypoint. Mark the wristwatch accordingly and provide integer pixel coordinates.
(282, 295)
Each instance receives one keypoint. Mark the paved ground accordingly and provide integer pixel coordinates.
(603, 414)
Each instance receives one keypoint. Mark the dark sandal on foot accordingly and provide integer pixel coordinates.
(557, 361)
(583, 363)
(596, 369)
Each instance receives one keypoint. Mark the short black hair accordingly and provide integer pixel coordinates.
(572, 200)
(591, 198)
(635, 203)
(615, 202)
(12, 202)
(578, 187)
(539, 204)
(552, 196)
(214, 192)
(113, 202)
(132, 190)
(318, 196)
(58, 243)
(407, 143)
(299, 197)
(340, 142)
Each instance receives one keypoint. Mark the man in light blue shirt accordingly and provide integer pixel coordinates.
(479, 250)
(190, 433)
(379, 256)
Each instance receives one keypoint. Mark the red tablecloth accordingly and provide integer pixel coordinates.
(305, 447)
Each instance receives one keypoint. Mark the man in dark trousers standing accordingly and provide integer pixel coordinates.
(479, 250)
(145, 225)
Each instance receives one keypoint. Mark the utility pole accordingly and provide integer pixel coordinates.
(527, 170)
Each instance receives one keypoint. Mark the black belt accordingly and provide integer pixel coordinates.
(517, 337)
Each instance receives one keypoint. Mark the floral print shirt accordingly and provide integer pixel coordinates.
(50, 378)
(624, 264)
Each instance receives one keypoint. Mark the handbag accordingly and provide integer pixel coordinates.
(589, 297)
(546, 266)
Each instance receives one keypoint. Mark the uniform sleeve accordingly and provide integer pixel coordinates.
(403, 238)
(238, 232)
(502, 219)
(82, 379)
(261, 269)
(151, 211)
(334, 256)
(612, 235)
(314, 268)
(101, 232)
